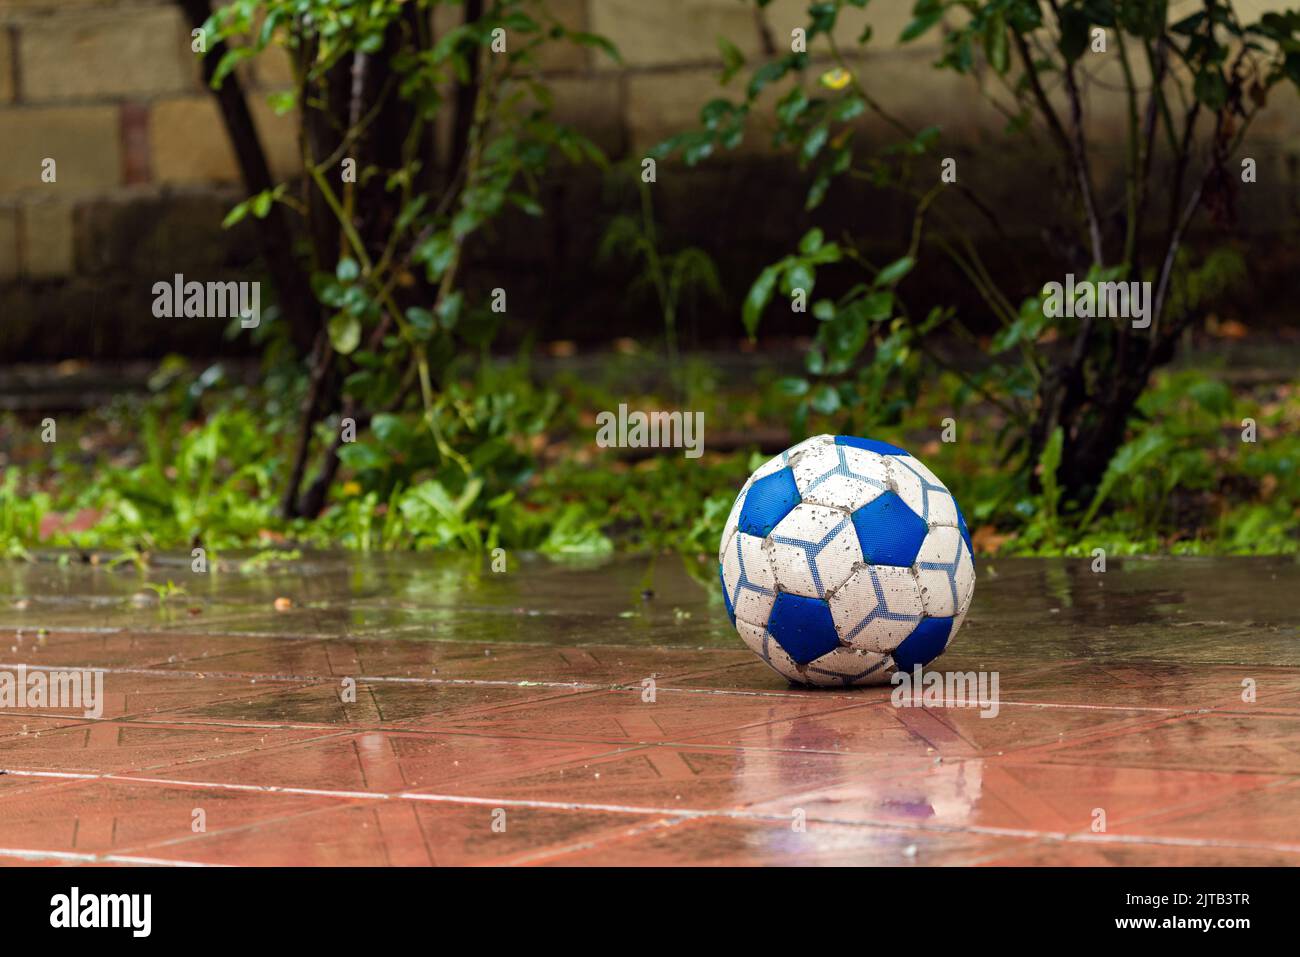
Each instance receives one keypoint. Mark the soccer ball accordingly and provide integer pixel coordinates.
(844, 560)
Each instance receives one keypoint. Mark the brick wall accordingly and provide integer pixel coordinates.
(110, 90)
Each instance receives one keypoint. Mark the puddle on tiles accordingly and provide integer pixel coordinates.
(1187, 610)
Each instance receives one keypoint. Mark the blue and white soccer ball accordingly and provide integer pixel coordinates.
(844, 560)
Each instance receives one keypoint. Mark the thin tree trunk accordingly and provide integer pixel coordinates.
(274, 234)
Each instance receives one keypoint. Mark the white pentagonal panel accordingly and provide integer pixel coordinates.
(922, 491)
(748, 577)
(733, 519)
(839, 476)
(849, 666)
(813, 550)
(877, 607)
(765, 646)
(795, 453)
(940, 571)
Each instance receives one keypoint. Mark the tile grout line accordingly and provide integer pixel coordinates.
(676, 814)
(583, 686)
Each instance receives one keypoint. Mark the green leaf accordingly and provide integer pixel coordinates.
(597, 41)
(817, 191)
(895, 271)
(919, 26)
(282, 101)
(345, 333)
(768, 73)
(449, 309)
(1131, 458)
(347, 270)
(825, 399)
(1048, 464)
(732, 59)
(327, 289)
(1211, 89)
(792, 386)
(421, 321)
(878, 306)
(995, 43)
(229, 60)
(392, 429)
(800, 276)
(714, 112)
(811, 242)
(576, 533)
(790, 106)
(528, 204)
(261, 203)
(436, 253)
(760, 294)
(814, 142)
(237, 214)
(848, 108)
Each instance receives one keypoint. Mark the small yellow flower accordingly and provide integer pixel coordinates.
(836, 79)
(351, 488)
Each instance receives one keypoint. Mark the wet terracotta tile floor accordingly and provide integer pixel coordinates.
(417, 711)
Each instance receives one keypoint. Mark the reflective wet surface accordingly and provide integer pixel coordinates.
(427, 709)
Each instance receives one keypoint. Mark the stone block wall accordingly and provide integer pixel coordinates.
(110, 90)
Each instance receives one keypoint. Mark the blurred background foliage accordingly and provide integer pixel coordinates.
(461, 446)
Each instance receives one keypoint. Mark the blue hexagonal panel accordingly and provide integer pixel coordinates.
(890, 533)
(769, 500)
(871, 445)
(924, 644)
(731, 612)
(803, 627)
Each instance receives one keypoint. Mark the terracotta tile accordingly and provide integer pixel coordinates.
(1030, 798)
(522, 693)
(628, 716)
(604, 666)
(14, 724)
(330, 836)
(1123, 854)
(12, 783)
(1128, 684)
(384, 761)
(1275, 692)
(730, 842)
(23, 860)
(99, 817)
(114, 746)
(1268, 814)
(747, 674)
(368, 704)
(1018, 728)
(398, 833)
(459, 834)
(112, 649)
(319, 657)
(1223, 742)
(877, 730)
(675, 778)
(454, 661)
(135, 694)
(882, 729)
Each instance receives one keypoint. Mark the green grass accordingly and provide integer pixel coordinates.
(200, 462)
